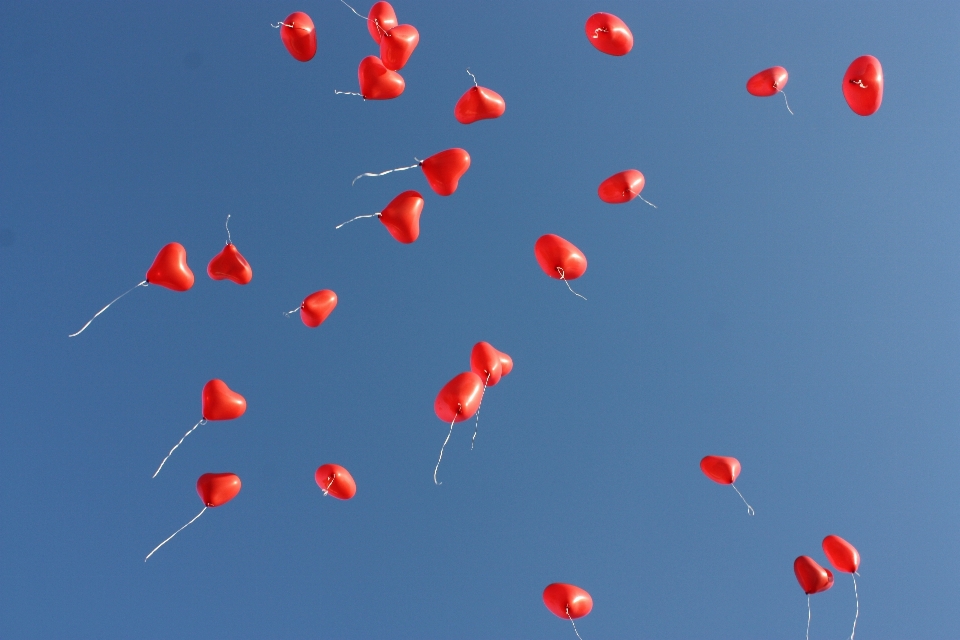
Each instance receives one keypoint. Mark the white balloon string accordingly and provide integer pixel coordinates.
(808, 617)
(287, 314)
(283, 24)
(562, 277)
(202, 421)
(74, 335)
(354, 10)
(596, 32)
(575, 625)
(857, 596)
(477, 427)
(474, 78)
(750, 510)
(444, 447)
(787, 103)
(326, 491)
(174, 533)
(383, 173)
(641, 197)
(372, 215)
(348, 93)
(859, 83)
(227, 225)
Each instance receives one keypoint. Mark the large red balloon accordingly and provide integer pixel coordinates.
(377, 82)
(479, 103)
(768, 82)
(812, 577)
(460, 398)
(621, 187)
(216, 489)
(397, 45)
(485, 362)
(336, 481)
(567, 601)
(170, 270)
(381, 19)
(720, 469)
(229, 264)
(506, 364)
(555, 254)
(863, 85)
(219, 402)
(299, 36)
(444, 170)
(317, 306)
(609, 34)
(402, 216)
(841, 554)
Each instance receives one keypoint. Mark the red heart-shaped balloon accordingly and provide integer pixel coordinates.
(812, 577)
(402, 216)
(336, 481)
(479, 103)
(443, 170)
(768, 82)
(554, 254)
(863, 85)
(230, 265)
(460, 398)
(380, 19)
(485, 362)
(567, 601)
(299, 36)
(397, 45)
(720, 469)
(621, 187)
(506, 364)
(609, 34)
(218, 402)
(377, 82)
(841, 554)
(216, 489)
(170, 270)
(317, 306)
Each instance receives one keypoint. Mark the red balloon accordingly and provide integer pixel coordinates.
(336, 481)
(768, 82)
(444, 170)
(299, 36)
(402, 216)
(216, 489)
(621, 187)
(460, 398)
(381, 19)
(218, 402)
(317, 306)
(170, 270)
(506, 364)
(479, 103)
(485, 362)
(841, 554)
(377, 82)
(609, 34)
(397, 45)
(812, 577)
(555, 254)
(720, 469)
(567, 601)
(863, 85)
(230, 265)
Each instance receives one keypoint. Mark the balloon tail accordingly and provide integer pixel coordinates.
(348, 93)
(287, 314)
(477, 427)
(566, 282)
(354, 10)
(598, 31)
(474, 78)
(202, 421)
(73, 335)
(372, 215)
(326, 491)
(750, 510)
(437, 468)
(808, 617)
(642, 198)
(383, 173)
(859, 83)
(174, 533)
(855, 595)
(227, 225)
(575, 625)
(787, 103)
(282, 24)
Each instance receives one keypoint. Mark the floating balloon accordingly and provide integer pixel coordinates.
(488, 363)
(863, 85)
(380, 20)
(397, 45)
(812, 578)
(609, 34)
(214, 489)
(559, 259)
(316, 307)
(443, 170)
(299, 36)
(229, 264)
(217, 402)
(336, 481)
(457, 401)
(401, 217)
(567, 601)
(376, 81)
(623, 187)
(844, 557)
(724, 470)
(478, 103)
(769, 82)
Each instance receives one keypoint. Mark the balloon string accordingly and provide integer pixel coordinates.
(348, 93)
(859, 83)
(284, 24)
(641, 197)
(372, 215)
(74, 335)
(750, 510)
(175, 533)
(808, 617)
(287, 314)
(227, 225)
(444, 447)
(383, 173)
(596, 32)
(562, 277)
(575, 625)
(474, 78)
(326, 491)
(855, 595)
(787, 103)
(354, 10)
(202, 421)
(477, 428)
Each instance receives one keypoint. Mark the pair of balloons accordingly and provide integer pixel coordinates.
(560, 259)
(567, 601)
(814, 579)
(862, 84)
(336, 481)
(724, 470)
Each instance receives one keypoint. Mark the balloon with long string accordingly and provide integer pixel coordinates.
(376, 81)
(169, 270)
(442, 170)
(560, 259)
(335, 481)
(623, 187)
(215, 490)
(457, 401)
(401, 217)
(299, 36)
(568, 602)
(812, 578)
(230, 264)
(488, 363)
(769, 82)
(845, 558)
(380, 19)
(724, 470)
(478, 103)
(315, 308)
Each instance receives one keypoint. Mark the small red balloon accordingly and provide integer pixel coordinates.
(812, 577)
(460, 398)
(299, 36)
(170, 270)
(609, 34)
(720, 469)
(377, 82)
(506, 364)
(380, 19)
(397, 45)
(229, 264)
(555, 254)
(336, 481)
(841, 554)
(863, 85)
(219, 402)
(402, 216)
(621, 187)
(444, 170)
(217, 489)
(317, 306)
(479, 103)
(567, 601)
(485, 362)
(768, 82)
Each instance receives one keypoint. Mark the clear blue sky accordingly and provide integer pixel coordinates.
(792, 302)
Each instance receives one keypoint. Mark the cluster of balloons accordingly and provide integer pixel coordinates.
(813, 578)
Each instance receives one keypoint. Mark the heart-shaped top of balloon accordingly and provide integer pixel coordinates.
(479, 103)
(812, 577)
(609, 34)
(216, 489)
(219, 402)
(170, 270)
(485, 362)
(336, 481)
(443, 170)
(380, 19)
(841, 554)
(397, 45)
(720, 469)
(229, 264)
(768, 82)
(377, 82)
(567, 601)
(299, 36)
(506, 364)
(559, 258)
(402, 216)
(317, 306)
(460, 398)
(863, 85)
(621, 187)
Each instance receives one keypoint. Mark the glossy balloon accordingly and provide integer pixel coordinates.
(459, 398)
(229, 264)
(768, 82)
(506, 364)
(397, 45)
(336, 481)
(317, 306)
(479, 103)
(567, 601)
(720, 469)
(485, 361)
(377, 82)
(812, 577)
(299, 36)
(216, 489)
(621, 187)
(863, 85)
(444, 170)
(841, 554)
(554, 252)
(609, 34)
(380, 19)
(170, 270)
(402, 216)
(219, 402)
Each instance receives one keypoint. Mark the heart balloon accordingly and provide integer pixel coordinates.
(621, 187)
(555, 254)
(485, 362)
(216, 489)
(609, 34)
(720, 469)
(841, 554)
(377, 82)
(812, 577)
(397, 45)
(230, 265)
(299, 36)
(479, 103)
(768, 82)
(460, 398)
(567, 601)
(317, 306)
(402, 216)
(336, 481)
(380, 19)
(506, 364)
(218, 402)
(863, 85)
(170, 270)
(443, 170)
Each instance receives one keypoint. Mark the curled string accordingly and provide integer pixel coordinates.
(477, 428)
(383, 173)
(787, 103)
(474, 78)
(859, 83)
(808, 617)
(444, 447)
(354, 10)
(202, 421)
(566, 282)
(287, 314)
(372, 215)
(750, 510)
(855, 595)
(74, 335)
(326, 491)
(575, 625)
(597, 31)
(641, 197)
(227, 225)
(174, 533)
(275, 26)
(348, 93)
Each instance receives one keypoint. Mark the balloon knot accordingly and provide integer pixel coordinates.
(859, 83)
